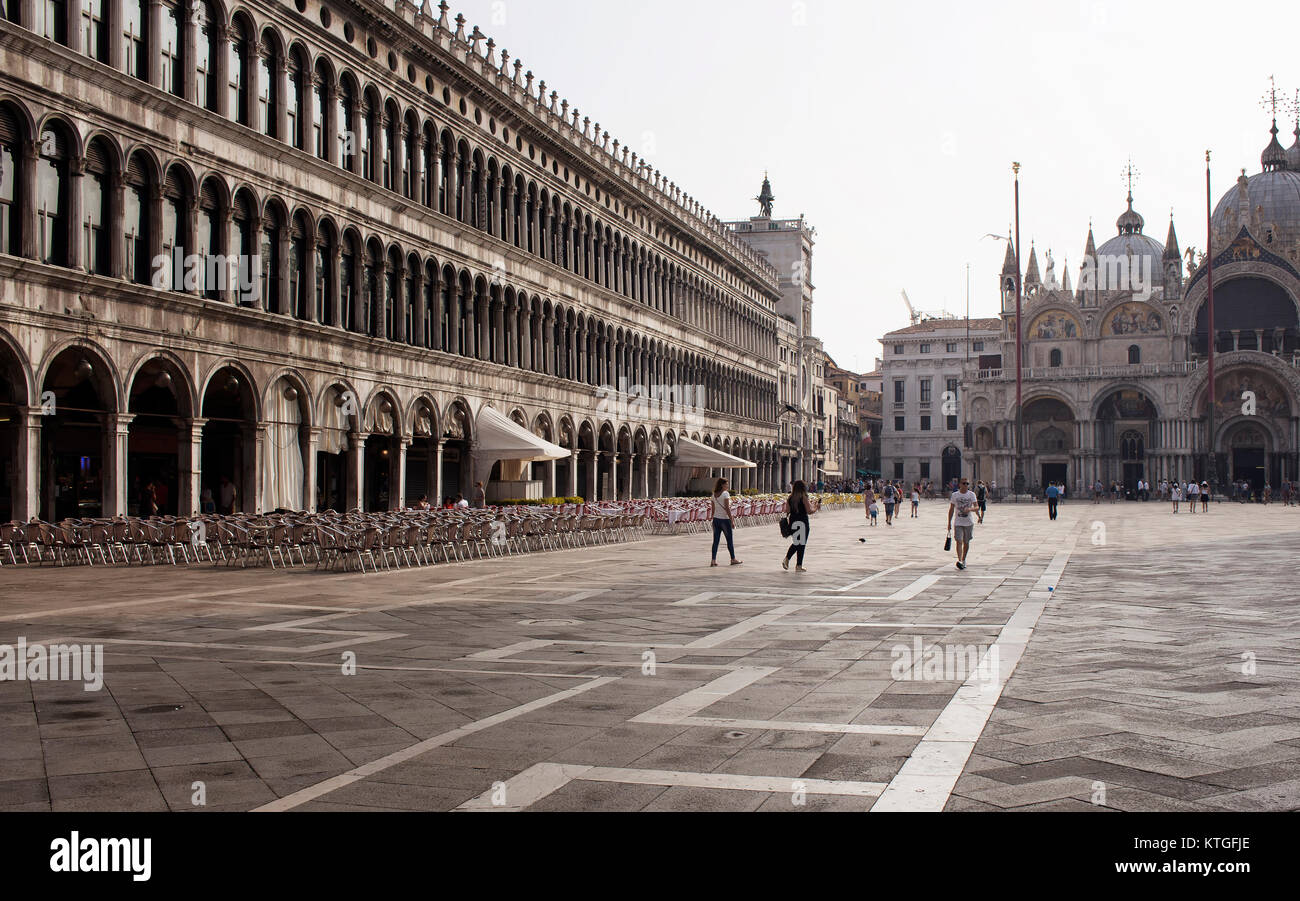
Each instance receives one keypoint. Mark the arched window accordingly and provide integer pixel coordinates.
(268, 89)
(207, 241)
(320, 111)
(206, 54)
(345, 119)
(366, 138)
(94, 30)
(175, 228)
(169, 49)
(372, 273)
(427, 187)
(432, 326)
(135, 44)
(392, 294)
(272, 229)
(298, 267)
(1054, 359)
(296, 104)
(1134, 354)
(96, 193)
(52, 188)
(11, 180)
(243, 240)
(389, 147)
(51, 20)
(237, 73)
(324, 262)
(348, 281)
(137, 198)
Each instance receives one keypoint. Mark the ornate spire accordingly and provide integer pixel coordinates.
(1065, 276)
(1009, 261)
(1273, 158)
(1032, 278)
(765, 198)
(1171, 242)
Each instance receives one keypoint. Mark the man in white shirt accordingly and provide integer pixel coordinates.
(962, 504)
(1193, 495)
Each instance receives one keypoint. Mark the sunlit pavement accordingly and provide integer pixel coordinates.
(1118, 658)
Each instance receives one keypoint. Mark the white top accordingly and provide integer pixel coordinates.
(719, 508)
(916, 497)
(462, 503)
(965, 502)
(1193, 488)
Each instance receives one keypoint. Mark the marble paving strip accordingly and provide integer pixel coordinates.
(320, 789)
(926, 779)
(544, 779)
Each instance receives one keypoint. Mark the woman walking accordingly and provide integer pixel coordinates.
(1176, 493)
(799, 508)
(722, 523)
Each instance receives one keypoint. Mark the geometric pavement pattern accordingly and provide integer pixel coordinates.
(1129, 659)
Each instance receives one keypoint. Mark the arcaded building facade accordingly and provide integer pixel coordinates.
(1115, 381)
(290, 250)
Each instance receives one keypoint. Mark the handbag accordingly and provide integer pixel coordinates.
(786, 529)
(947, 542)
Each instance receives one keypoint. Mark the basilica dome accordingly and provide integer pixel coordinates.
(1267, 203)
(1130, 243)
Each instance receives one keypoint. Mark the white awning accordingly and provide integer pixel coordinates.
(831, 472)
(692, 453)
(497, 437)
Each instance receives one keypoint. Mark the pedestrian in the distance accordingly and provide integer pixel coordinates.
(916, 500)
(1053, 497)
(1193, 495)
(1176, 494)
(799, 507)
(891, 495)
(981, 499)
(722, 521)
(1205, 497)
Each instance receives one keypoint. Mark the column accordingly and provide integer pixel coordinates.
(658, 490)
(254, 501)
(435, 478)
(153, 44)
(357, 471)
(117, 428)
(645, 475)
(31, 153)
(417, 336)
(592, 475)
(573, 473)
(27, 496)
(397, 474)
(76, 174)
(613, 477)
(456, 296)
(309, 469)
(190, 468)
(550, 478)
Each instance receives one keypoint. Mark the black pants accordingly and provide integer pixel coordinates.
(1051, 507)
(798, 547)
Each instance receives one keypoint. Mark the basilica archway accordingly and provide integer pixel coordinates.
(1125, 431)
(1049, 437)
(229, 448)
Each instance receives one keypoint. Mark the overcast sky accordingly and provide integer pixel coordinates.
(892, 127)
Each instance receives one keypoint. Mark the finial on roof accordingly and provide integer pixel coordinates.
(460, 27)
(1171, 242)
(765, 198)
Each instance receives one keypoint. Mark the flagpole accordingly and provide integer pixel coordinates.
(1212, 473)
(1019, 480)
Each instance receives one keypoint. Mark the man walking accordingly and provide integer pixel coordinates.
(961, 520)
(1053, 496)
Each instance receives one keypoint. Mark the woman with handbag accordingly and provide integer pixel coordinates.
(798, 507)
(722, 521)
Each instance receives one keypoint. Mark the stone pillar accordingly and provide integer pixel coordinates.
(356, 471)
(593, 476)
(573, 473)
(27, 487)
(281, 76)
(76, 177)
(645, 476)
(117, 428)
(613, 477)
(309, 449)
(153, 42)
(190, 468)
(550, 478)
(397, 474)
(31, 224)
(254, 465)
(116, 12)
(435, 477)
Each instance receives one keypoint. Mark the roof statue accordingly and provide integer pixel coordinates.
(765, 198)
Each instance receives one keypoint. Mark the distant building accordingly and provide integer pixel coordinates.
(924, 426)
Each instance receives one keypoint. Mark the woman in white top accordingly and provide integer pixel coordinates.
(722, 523)
(1176, 493)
